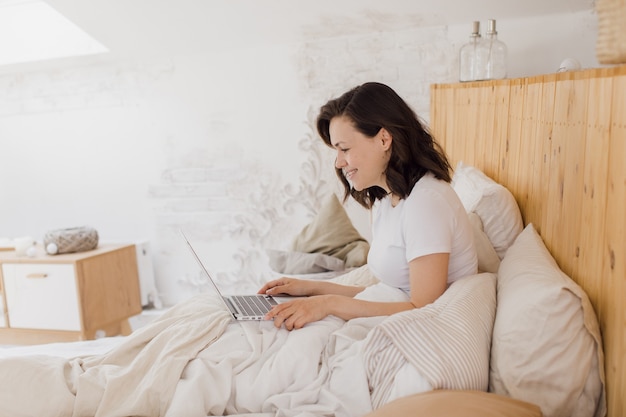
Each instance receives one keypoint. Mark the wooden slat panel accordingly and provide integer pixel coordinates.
(536, 202)
(502, 93)
(525, 173)
(459, 130)
(544, 142)
(509, 155)
(558, 142)
(594, 191)
(615, 251)
(568, 146)
(496, 99)
(462, 123)
(484, 129)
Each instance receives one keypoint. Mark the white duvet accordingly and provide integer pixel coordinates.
(196, 361)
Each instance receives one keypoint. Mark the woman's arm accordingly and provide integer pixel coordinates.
(301, 287)
(428, 277)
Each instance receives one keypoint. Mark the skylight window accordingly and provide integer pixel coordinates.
(31, 30)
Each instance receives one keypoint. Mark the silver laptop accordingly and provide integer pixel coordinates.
(242, 307)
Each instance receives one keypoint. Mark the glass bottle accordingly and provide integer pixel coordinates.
(468, 54)
(494, 52)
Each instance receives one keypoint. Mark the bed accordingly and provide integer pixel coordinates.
(539, 168)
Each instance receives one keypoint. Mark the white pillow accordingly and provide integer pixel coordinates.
(359, 277)
(494, 203)
(447, 342)
(488, 259)
(546, 346)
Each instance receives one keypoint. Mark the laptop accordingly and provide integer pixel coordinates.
(242, 307)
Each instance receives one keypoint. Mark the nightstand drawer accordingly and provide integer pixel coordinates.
(41, 296)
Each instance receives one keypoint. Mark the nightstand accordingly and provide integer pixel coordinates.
(68, 297)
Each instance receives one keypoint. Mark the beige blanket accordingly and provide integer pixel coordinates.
(134, 379)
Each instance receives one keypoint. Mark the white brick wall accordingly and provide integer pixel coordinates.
(409, 61)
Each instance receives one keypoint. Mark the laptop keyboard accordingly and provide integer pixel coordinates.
(253, 305)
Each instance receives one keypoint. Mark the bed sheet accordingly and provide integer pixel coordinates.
(64, 350)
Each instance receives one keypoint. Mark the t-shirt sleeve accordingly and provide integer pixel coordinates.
(428, 224)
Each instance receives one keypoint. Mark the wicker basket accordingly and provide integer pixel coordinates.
(611, 42)
(75, 239)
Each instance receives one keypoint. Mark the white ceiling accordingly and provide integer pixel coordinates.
(32, 30)
(190, 26)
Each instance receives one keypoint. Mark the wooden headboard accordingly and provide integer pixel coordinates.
(558, 143)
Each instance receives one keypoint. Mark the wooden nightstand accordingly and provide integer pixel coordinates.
(68, 297)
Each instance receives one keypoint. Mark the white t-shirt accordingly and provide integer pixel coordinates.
(430, 220)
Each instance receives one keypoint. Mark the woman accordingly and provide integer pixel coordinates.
(421, 236)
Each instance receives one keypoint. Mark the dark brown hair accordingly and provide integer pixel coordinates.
(414, 152)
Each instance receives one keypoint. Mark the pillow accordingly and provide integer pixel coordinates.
(447, 341)
(331, 233)
(496, 206)
(287, 262)
(488, 259)
(450, 403)
(359, 277)
(546, 345)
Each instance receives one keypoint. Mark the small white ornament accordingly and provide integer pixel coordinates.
(22, 244)
(52, 248)
(569, 64)
(31, 252)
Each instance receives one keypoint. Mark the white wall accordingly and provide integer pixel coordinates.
(221, 145)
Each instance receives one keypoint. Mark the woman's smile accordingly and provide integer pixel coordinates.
(349, 173)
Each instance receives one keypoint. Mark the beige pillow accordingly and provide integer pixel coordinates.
(488, 259)
(546, 346)
(289, 262)
(449, 403)
(331, 233)
(494, 203)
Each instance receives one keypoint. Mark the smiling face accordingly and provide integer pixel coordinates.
(362, 159)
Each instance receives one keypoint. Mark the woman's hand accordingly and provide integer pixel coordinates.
(289, 286)
(295, 314)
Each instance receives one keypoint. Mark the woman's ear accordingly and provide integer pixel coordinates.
(385, 138)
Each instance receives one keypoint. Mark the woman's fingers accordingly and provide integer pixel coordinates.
(282, 313)
(277, 286)
(265, 289)
(295, 314)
